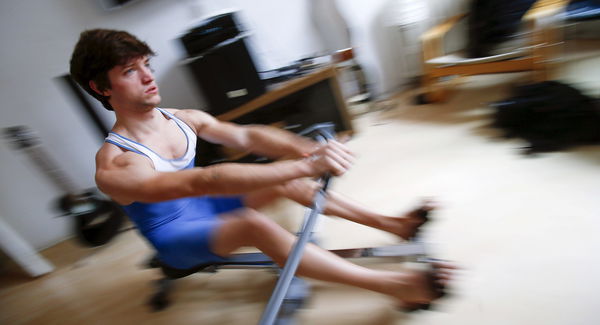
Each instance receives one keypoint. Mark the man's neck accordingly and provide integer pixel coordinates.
(137, 123)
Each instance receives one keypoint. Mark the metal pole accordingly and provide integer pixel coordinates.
(291, 265)
(293, 261)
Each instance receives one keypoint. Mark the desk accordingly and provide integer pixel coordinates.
(293, 105)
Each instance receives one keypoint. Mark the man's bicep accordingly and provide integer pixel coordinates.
(124, 182)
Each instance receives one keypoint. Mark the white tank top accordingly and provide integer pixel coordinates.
(161, 164)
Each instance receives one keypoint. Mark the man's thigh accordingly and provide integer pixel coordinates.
(233, 232)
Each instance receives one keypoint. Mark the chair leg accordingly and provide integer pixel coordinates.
(436, 96)
(431, 92)
(160, 299)
(431, 95)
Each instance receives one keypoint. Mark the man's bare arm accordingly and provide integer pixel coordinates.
(128, 177)
(262, 140)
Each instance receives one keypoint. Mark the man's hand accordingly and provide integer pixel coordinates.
(333, 157)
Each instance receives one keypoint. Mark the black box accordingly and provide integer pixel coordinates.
(209, 33)
(226, 76)
(221, 64)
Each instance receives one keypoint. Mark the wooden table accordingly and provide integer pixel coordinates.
(294, 105)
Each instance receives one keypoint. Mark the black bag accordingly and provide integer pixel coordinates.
(550, 115)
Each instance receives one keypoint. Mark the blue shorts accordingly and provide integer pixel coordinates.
(185, 241)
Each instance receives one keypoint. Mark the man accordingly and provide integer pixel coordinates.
(198, 215)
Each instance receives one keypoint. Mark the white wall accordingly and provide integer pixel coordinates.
(38, 37)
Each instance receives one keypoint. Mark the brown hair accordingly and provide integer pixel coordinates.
(99, 50)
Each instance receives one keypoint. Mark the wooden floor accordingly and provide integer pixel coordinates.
(111, 287)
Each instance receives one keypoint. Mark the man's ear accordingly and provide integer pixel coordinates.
(95, 88)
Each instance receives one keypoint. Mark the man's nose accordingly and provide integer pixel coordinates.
(147, 75)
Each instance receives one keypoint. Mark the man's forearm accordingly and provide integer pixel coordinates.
(225, 179)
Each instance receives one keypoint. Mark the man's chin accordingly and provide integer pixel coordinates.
(154, 101)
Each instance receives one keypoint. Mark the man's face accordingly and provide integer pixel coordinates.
(132, 85)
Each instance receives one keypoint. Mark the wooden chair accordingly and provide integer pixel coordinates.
(534, 55)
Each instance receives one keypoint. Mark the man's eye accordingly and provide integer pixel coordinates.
(129, 71)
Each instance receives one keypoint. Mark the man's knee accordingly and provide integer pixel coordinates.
(244, 227)
(256, 224)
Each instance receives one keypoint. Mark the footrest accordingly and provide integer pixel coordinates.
(253, 260)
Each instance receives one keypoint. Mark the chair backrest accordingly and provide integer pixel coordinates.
(492, 22)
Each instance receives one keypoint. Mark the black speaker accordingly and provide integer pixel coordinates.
(221, 64)
(210, 32)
